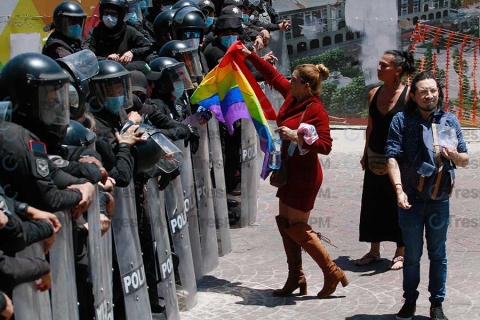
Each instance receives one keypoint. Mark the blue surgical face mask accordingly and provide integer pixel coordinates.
(227, 41)
(143, 4)
(75, 31)
(110, 21)
(208, 21)
(245, 17)
(178, 89)
(113, 104)
(132, 17)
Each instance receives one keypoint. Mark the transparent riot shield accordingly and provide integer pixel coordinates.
(29, 303)
(5, 111)
(156, 213)
(250, 174)
(100, 274)
(278, 44)
(62, 265)
(129, 255)
(108, 265)
(177, 220)
(190, 202)
(206, 212)
(219, 193)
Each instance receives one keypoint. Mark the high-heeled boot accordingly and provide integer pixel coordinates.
(296, 277)
(309, 240)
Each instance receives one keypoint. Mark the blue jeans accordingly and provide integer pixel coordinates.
(433, 216)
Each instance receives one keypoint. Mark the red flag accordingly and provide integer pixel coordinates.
(93, 21)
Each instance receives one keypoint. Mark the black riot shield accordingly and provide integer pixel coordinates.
(62, 265)
(29, 303)
(190, 202)
(100, 272)
(203, 185)
(156, 213)
(177, 220)
(219, 193)
(250, 174)
(127, 244)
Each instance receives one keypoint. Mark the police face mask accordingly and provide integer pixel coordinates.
(178, 89)
(132, 17)
(227, 41)
(75, 31)
(208, 21)
(245, 18)
(113, 104)
(110, 21)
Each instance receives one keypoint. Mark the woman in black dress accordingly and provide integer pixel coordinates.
(378, 216)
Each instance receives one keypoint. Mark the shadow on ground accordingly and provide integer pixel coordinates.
(346, 263)
(380, 317)
(252, 296)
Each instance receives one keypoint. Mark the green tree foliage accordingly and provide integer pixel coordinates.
(349, 100)
(334, 60)
(456, 62)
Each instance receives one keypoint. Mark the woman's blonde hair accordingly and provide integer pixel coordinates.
(313, 75)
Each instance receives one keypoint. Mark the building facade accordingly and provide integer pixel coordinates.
(415, 10)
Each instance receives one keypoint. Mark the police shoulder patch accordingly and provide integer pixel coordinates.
(42, 167)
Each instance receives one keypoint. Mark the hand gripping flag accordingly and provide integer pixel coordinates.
(231, 92)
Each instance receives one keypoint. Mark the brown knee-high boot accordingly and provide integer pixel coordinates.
(296, 278)
(308, 239)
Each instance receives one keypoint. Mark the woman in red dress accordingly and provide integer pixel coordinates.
(302, 105)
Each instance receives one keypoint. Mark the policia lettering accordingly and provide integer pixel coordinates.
(133, 281)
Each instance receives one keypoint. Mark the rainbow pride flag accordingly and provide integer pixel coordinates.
(231, 92)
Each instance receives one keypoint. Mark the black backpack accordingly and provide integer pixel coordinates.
(434, 175)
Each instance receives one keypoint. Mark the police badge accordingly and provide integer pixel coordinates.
(42, 167)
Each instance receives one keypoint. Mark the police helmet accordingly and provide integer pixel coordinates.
(185, 3)
(236, 3)
(78, 136)
(111, 87)
(189, 24)
(162, 25)
(81, 67)
(38, 89)
(175, 78)
(69, 19)
(231, 10)
(182, 52)
(206, 6)
(120, 6)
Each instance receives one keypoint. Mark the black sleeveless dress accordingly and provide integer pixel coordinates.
(379, 211)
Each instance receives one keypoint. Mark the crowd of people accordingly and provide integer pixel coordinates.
(85, 115)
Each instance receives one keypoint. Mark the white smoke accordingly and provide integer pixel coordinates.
(377, 21)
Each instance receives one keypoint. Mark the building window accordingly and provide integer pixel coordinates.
(416, 1)
(296, 21)
(431, 16)
(415, 8)
(445, 13)
(339, 38)
(339, 13)
(404, 11)
(314, 44)
(445, 5)
(301, 47)
(288, 35)
(326, 41)
(425, 8)
(438, 15)
(308, 19)
(324, 13)
(350, 35)
(341, 25)
(404, 2)
(435, 4)
(290, 49)
(423, 17)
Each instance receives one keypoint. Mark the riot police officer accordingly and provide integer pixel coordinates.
(38, 87)
(68, 22)
(162, 27)
(113, 39)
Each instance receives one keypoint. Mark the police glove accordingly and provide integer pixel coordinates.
(165, 178)
(194, 138)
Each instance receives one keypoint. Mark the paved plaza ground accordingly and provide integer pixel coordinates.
(241, 286)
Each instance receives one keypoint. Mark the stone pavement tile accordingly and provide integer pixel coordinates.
(241, 286)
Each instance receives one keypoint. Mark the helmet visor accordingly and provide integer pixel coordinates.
(53, 103)
(73, 97)
(192, 62)
(73, 26)
(83, 64)
(171, 156)
(134, 10)
(117, 89)
(179, 73)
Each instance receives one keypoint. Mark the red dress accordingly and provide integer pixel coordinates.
(304, 172)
